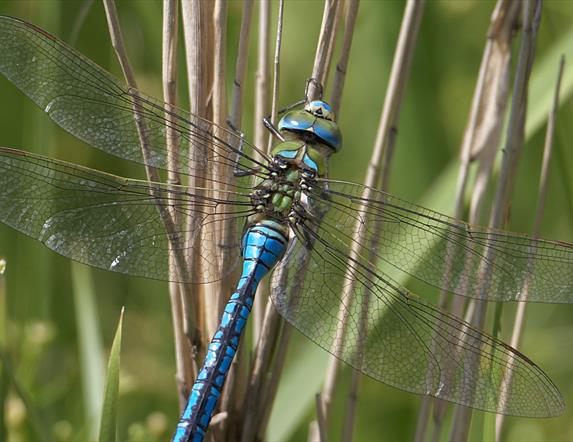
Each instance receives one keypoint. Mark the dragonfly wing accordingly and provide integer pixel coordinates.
(94, 106)
(448, 253)
(397, 338)
(115, 223)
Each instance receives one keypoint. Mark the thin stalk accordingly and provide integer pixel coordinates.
(253, 423)
(195, 38)
(4, 340)
(332, 40)
(177, 292)
(234, 393)
(388, 122)
(215, 302)
(519, 320)
(320, 419)
(241, 64)
(481, 140)
(512, 148)
(80, 20)
(270, 390)
(152, 173)
(276, 69)
(262, 136)
(321, 59)
(341, 66)
(119, 48)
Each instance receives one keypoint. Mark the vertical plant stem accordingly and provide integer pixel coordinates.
(152, 175)
(234, 392)
(119, 47)
(480, 142)
(321, 59)
(276, 69)
(254, 405)
(185, 369)
(195, 38)
(513, 144)
(519, 319)
(241, 65)
(341, 66)
(262, 136)
(80, 20)
(388, 121)
(4, 375)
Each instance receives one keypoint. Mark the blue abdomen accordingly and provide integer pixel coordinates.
(264, 245)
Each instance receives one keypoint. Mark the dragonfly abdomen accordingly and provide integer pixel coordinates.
(264, 244)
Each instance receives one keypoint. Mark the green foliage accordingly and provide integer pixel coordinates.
(108, 423)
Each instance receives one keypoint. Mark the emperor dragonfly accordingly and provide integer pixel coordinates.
(290, 213)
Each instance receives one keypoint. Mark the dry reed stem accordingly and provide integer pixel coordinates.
(276, 69)
(480, 141)
(194, 34)
(388, 123)
(241, 65)
(320, 422)
(119, 48)
(178, 260)
(341, 66)
(321, 59)
(151, 172)
(218, 292)
(234, 393)
(262, 136)
(338, 12)
(259, 394)
(513, 144)
(252, 422)
(519, 319)
(270, 390)
(185, 369)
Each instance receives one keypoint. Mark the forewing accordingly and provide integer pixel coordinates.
(445, 252)
(92, 105)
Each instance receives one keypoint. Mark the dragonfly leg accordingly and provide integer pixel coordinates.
(272, 128)
(238, 171)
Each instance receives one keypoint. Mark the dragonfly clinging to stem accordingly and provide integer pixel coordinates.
(282, 210)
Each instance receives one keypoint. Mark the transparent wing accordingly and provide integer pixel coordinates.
(448, 253)
(92, 105)
(395, 337)
(115, 223)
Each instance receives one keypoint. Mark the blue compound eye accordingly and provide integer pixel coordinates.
(317, 117)
(296, 120)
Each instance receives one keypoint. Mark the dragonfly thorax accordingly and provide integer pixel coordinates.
(282, 194)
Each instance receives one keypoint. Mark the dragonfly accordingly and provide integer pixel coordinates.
(321, 238)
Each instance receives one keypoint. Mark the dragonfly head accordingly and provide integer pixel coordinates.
(317, 118)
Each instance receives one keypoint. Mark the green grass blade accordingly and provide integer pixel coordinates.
(4, 379)
(108, 424)
(90, 345)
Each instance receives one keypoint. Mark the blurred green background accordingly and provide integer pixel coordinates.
(53, 332)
